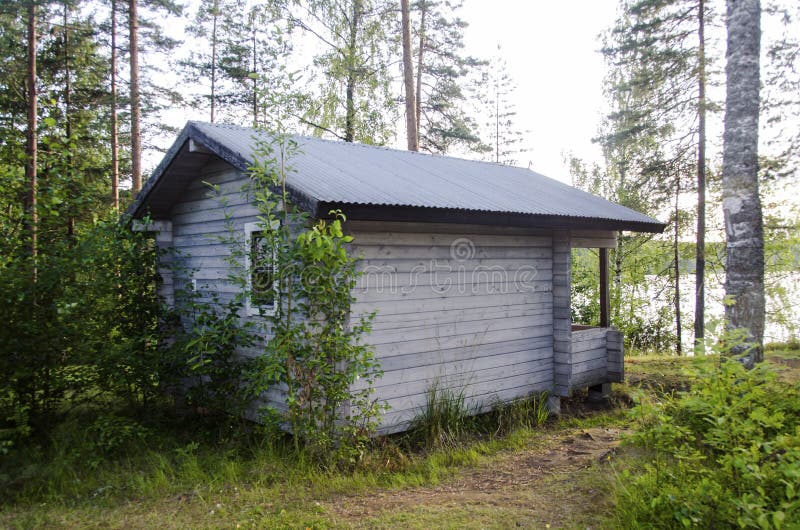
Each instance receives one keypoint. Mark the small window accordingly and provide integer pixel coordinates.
(260, 264)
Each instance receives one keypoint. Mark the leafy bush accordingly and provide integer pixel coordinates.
(316, 350)
(85, 326)
(725, 454)
(213, 366)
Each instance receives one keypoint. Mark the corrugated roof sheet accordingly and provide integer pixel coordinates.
(356, 174)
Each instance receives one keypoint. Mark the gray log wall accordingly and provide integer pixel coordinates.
(562, 318)
(468, 311)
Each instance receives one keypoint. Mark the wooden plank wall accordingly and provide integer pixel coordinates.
(467, 311)
(589, 358)
(616, 365)
(562, 317)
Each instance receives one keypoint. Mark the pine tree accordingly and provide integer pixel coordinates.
(253, 52)
(447, 80)
(31, 143)
(136, 110)
(659, 63)
(505, 138)
(412, 129)
(204, 63)
(114, 137)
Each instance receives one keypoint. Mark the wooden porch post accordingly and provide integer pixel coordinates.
(604, 294)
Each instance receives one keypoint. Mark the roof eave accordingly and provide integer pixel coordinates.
(138, 207)
(366, 212)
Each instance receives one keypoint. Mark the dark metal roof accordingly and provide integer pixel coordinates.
(380, 182)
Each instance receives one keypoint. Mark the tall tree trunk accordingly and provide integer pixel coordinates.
(423, 12)
(114, 126)
(215, 15)
(350, 90)
(616, 304)
(31, 139)
(136, 130)
(497, 120)
(255, 78)
(700, 251)
(68, 117)
(677, 258)
(744, 231)
(408, 78)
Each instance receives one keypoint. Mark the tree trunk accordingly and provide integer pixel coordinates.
(677, 258)
(700, 251)
(114, 126)
(31, 139)
(497, 121)
(215, 15)
(136, 131)
(350, 91)
(67, 118)
(255, 78)
(423, 11)
(408, 78)
(744, 282)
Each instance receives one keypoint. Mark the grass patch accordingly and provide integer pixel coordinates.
(208, 472)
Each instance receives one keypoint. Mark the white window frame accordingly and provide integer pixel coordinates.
(250, 309)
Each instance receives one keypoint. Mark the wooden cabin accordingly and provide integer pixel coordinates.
(466, 263)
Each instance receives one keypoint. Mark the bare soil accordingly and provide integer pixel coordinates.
(544, 486)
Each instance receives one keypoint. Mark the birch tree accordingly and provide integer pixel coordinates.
(741, 204)
(355, 100)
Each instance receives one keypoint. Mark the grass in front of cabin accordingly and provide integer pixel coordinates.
(205, 473)
(211, 472)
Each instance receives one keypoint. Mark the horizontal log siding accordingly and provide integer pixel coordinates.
(589, 358)
(616, 366)
(562, 317)
(477, 318)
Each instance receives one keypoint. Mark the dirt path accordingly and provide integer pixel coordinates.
(541, 487)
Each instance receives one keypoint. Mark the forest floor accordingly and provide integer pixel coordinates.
(557, 476)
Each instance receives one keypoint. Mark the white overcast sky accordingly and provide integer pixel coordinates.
(551, 51)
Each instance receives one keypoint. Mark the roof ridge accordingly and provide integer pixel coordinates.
(372, 146)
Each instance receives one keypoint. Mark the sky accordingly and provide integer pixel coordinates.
(551, 53)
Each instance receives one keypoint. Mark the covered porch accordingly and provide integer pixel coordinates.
(585, 356)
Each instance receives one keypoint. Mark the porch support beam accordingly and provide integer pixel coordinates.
(604, 293)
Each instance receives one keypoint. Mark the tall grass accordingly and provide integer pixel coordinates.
(448, 421)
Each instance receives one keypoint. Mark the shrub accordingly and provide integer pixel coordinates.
(725, 454)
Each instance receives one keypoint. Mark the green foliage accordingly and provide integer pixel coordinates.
(725, 454)
(87, 327)
(215, 369)
(446, 419)
(315, 345)
(449, 421)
